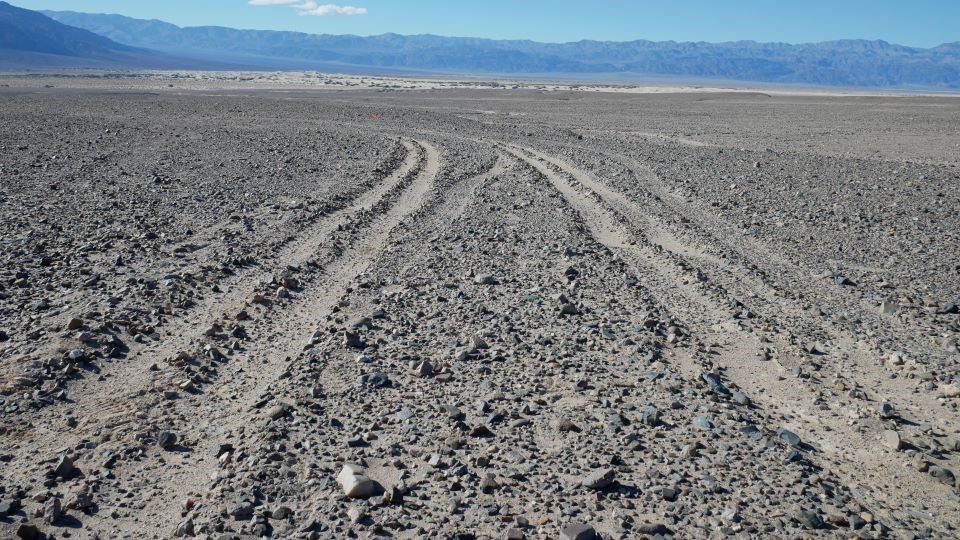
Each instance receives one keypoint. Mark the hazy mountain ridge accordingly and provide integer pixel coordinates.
(835, 63)
(31, 40)
(30, 31)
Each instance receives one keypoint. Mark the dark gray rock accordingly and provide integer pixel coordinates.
(810, 519)
(166, 440)
(599, 479)
(578, 531)
(64, 467)
(789, 437)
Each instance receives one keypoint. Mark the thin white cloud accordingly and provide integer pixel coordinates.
(311, 7)
(330, 9)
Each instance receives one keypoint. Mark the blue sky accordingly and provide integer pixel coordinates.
(920, 23)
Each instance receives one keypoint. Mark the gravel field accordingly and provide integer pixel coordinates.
(232, 308)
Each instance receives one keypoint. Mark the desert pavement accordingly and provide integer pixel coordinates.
(239, 312)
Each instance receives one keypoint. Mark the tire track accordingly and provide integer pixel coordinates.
(748, 265)
(846, 383)
(335, 377)
(609, 229)
(270, 256)
(456, 201)
(284, 337)
(854, 454)
(233, 382)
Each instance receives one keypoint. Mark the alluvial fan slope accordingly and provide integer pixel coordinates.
(477, 314)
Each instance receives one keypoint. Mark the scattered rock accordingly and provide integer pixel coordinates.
(944, 475)
(886, 410)
(352, 340)
(64, 467)
(891, 439)
(578, 531)
(653, 529)
(484, 279)
(241, 510)
(184, 529)
(810, 519)
(52, 510)
(8, 506)
(789, 437)
(599, 479)
(565, 425)
(355, 483)
(28, 531)
(278, 411)
(702, 422)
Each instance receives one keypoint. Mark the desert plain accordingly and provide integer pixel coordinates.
(245, 307)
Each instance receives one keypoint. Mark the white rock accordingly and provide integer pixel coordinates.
(355, 483)
(891, 439)
(355, 514)
(950, 390)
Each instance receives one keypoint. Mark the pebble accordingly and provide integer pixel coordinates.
(810, 519)
(241, 511)
(166, 440)
(891, 439)
(355, 514)
(8, 506)
(578, 531)
(64, 467)
(943, 474)
(424, 369)
(650, 416)
(886, 410)
(376, 380)
(484, 279)
(789, 437)
(702, 422)
(598, 480)
(355, 483)
(28, 531)
(352, 339)
(565, 425)
(515, 534)
(278, 411)
(52, 510)
(714, 383)
(184, 529)
(653, 529)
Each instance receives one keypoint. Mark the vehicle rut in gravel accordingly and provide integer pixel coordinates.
(745, 357)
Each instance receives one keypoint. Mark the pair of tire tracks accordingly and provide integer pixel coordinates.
(288, 331)
(132, 394)
(851, 359)
(334, 375)
(611, 218)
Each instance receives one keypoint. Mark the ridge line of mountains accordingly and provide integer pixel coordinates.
(66, 39)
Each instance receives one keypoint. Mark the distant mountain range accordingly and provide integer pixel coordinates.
(31, 40)
(146, 43)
